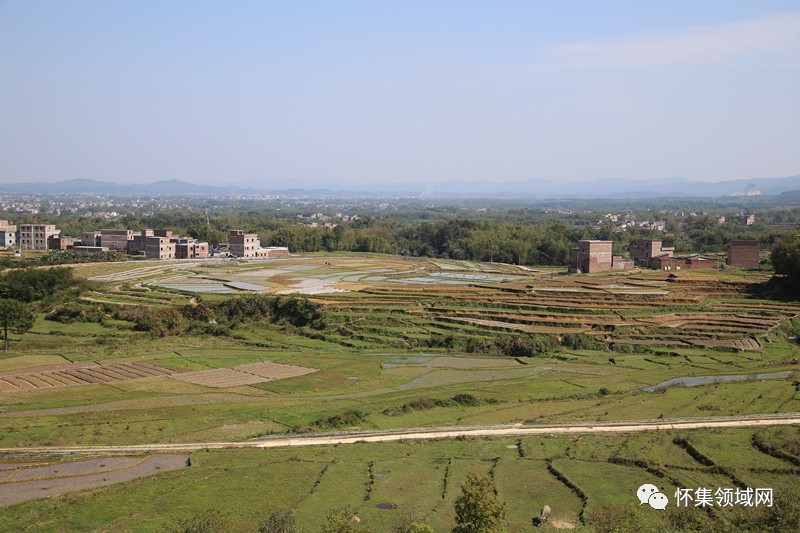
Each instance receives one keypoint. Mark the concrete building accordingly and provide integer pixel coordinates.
(596, 256)
(159, 248)
(116, 239)
(90, 249)
(743, 254)
(248, 245)
(642, 250)
(60, 242)
(243, 244)
(91, 238)
(34, 236)
(691, 262)
(187, 248)
(8, 234)
(136, 244)
(275, 251)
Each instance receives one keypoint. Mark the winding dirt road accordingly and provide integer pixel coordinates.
(516, 430)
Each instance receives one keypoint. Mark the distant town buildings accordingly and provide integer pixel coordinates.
(743, 254)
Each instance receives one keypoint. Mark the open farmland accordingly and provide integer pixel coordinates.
(388, 483)
(403, 343)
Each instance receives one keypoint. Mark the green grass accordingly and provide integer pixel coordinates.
(245, 485)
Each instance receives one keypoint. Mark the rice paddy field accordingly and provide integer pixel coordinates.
(403, 339)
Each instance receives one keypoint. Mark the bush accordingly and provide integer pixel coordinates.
(342, 520)
(581, 341)
(348, 418)
(279, 522)
(70, 312)
(525, 345)
(158, 321)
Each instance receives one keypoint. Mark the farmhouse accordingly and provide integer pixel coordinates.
(643, 250)
(248, 245)
(691, 262)
(743, 254)
(596, 256)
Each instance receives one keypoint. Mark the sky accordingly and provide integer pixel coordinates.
(332, 93)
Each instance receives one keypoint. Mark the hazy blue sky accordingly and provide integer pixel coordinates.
(365, 92)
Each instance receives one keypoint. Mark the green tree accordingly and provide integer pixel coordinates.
(785, 258)
(16, 317)
(478, 510)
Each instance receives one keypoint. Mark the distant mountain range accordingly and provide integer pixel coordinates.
(535, 189)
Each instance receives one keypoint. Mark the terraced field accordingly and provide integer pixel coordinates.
(405, 343)
(81, 373)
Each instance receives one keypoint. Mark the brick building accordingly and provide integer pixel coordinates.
(159, 248)
(91, 238)
(116, 239)
(596, 256)
(187, 248)
(743, 254)
(60, 242)
(643, 250)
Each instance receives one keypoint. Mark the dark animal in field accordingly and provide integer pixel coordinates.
(612, 360)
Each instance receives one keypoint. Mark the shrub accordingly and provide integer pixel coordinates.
(279, 522)
(70, 312)
(348, 418)
(581, 341)
(525, 345)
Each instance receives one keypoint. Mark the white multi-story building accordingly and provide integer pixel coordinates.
(34, 236)
(8, 234)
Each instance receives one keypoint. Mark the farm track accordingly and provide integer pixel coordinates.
(353, 437)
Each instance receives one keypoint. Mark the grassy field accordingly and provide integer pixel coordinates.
(403, 339)
(417, 480)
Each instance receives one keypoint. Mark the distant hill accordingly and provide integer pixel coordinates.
(534, 189)
(790, 196)
(87, 186)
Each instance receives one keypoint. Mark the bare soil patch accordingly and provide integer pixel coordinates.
(82, 373)
(248, 374)
(29, 482)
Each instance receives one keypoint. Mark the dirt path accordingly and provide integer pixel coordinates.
(517, 430)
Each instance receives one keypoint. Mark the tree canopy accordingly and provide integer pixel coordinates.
(478, 509)
(16, 317)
